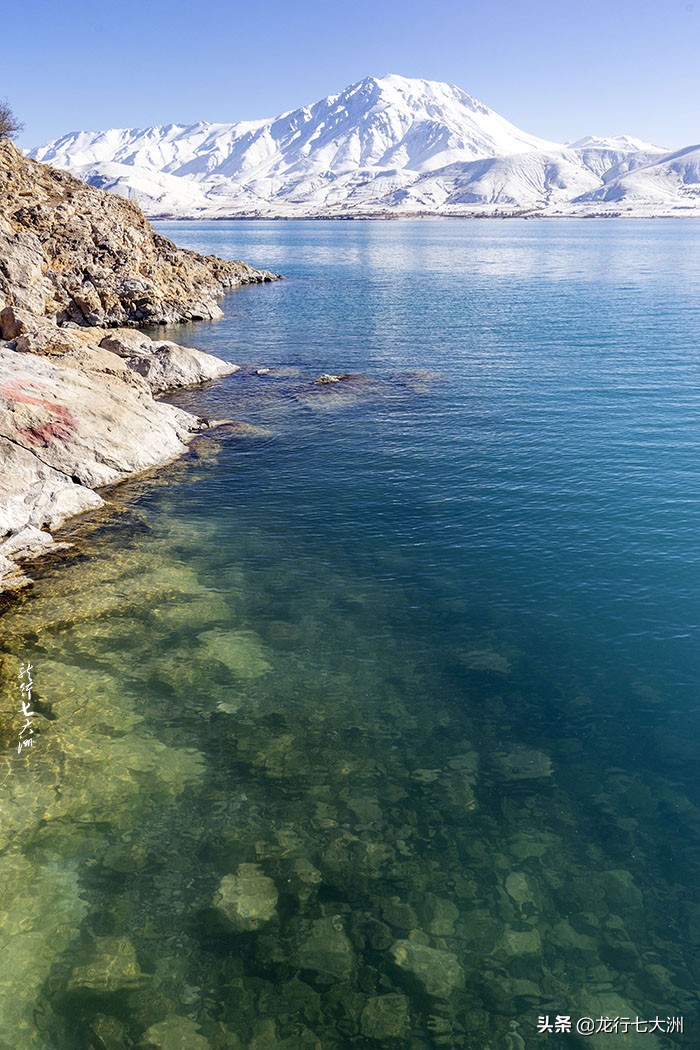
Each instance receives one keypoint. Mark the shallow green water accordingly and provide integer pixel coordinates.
(414, 666)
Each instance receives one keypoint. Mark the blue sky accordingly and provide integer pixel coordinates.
(560, 70)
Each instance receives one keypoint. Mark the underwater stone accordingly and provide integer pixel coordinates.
(174, 1033)
(112, 966)
(485, 660)
(125, 858)
(108, 1033)
(460, 791)
(622, 892)
(41, 910)
(348, 856)
(480, 930)
(524, 893)
(520, 942)
(615, 935)
(242, 652)
(658, 982)
(563, 935)
(386, 1017)
(281, 757)
(327, 950)
(399, 914)
(378, 935)
(444, 916)
(439, 972)
(246, 900)
(534, 843)
(523, 764)
(468, 762)
(305, 879)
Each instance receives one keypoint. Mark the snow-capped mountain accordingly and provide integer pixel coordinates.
(381, 145)
(672, 179)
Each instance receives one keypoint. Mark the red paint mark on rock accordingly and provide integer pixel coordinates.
(44, 434)
(60, 425)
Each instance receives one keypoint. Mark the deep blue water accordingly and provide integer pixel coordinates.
(433, 630)
(545, 474)
(535, 495)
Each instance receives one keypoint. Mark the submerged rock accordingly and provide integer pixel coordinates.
(108, 1033)
(305, 880)
(327, 950)
(111, 966)
(485, 660)
(519, 942)
(438, 971)
(444, 915)
(242, 652)
(386, 1017)
(524, 893)
(41, 911)
(399, 914)
(125, 858)
(523, 763)
(174, 1033)
(246, 900)
(326, 379)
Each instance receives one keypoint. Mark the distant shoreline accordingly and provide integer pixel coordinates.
(693, 214)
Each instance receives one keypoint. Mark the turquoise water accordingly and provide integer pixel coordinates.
(413, 662)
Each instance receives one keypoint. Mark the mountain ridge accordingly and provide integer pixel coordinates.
(383, 145)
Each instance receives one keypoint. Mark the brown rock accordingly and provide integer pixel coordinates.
(76, 253)
(76, 400)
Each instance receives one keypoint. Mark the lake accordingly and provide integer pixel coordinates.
(376, 720)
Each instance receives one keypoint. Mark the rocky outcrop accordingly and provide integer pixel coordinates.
(80, 255)
(70, 423)
(77, 406)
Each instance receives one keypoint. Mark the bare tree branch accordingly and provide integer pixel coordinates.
(9, 125)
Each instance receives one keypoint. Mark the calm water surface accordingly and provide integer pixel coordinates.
(413, 661)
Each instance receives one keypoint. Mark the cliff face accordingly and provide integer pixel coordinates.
(81, 255)
(77, 405)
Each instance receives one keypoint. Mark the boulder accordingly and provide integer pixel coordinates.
(327, 380)
(111, 966)
(174, 1033)
(523, 763)
(164, 365)
(386, 1017)
(327, 950)
(247, 899)
(437, 971)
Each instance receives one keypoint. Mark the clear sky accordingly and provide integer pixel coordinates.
(558, 69)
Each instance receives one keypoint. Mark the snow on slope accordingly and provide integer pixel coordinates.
(672, 180)
(387, 144)
(621, 143)
(391, 122)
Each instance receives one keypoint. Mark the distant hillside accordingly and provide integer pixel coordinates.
(384, 145)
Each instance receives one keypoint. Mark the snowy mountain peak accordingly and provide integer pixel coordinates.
(383, 144)
(618, 143)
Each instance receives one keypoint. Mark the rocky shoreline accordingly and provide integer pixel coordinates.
(79, 270)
